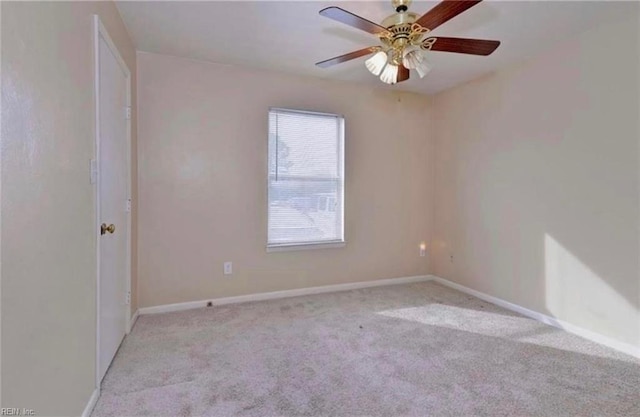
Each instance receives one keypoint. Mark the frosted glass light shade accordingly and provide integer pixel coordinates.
(415, 59)
(390, 74)
(423, 69)
(376, 63)
(412, 57)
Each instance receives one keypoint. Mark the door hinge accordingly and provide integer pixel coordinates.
(128, 113)
(93, 171)
(127, 206)
(128, 298)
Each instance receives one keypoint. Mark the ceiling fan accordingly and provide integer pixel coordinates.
(405, 39)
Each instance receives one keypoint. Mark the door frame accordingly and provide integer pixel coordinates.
(99, 31)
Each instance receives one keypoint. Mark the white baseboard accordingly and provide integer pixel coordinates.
(92, 403)
(579, 331)
(132, 321)
(571, 328)
(281, 294)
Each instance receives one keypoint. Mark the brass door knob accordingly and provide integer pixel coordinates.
(104, 228)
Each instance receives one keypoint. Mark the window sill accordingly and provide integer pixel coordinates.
(305, 246)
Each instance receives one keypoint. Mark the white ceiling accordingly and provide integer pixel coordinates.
(290, 36)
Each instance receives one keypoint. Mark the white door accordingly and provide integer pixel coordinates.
(113, 194)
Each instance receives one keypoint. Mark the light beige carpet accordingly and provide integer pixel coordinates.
(405, 350)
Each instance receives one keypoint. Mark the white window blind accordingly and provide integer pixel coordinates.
(306, 181)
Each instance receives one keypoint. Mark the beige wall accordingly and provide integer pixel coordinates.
(537, 197)
(48, 224)
(202, 172)
(538, 182)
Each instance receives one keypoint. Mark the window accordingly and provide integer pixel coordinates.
(306, 179)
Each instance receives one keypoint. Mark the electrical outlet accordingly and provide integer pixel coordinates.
(451, 257)
(228, 268)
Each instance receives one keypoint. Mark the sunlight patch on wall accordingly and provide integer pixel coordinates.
(576, 294)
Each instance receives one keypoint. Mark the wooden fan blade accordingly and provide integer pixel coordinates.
(403, 73)
(346, 57)
(351, 19)
(444, 11)
(465, 46)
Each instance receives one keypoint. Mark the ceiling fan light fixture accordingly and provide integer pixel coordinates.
(412, 57)
(390, 74)
(405, 39)
(376, 63)
(415, 58)
(424, 68)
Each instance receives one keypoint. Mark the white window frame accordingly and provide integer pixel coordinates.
(340, 243)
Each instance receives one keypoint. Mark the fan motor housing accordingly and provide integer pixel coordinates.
(400, 19)
(401, 5)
